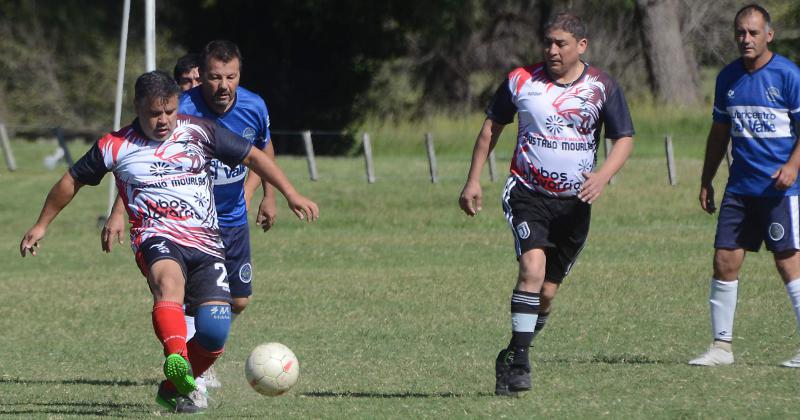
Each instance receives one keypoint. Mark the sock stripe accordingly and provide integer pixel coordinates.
(525, 299)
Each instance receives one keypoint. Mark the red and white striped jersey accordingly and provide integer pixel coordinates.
(165, 184)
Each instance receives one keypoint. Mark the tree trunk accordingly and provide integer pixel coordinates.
(672, 68)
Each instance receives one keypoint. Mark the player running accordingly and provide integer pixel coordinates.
(160, 163)
(757, 105)
(562, 104)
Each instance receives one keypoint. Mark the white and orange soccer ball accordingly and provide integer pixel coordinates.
(272, 369)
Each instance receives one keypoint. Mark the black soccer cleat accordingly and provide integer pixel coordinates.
(176, 403)
(511, 378)
(519, 379)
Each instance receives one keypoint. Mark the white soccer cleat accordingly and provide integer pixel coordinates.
(210, 377)
(714, 356)
(793, 362)
(200, 395)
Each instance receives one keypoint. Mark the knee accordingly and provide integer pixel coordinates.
(239, 304)
(547, 295)
(726, 266)
(212, 323)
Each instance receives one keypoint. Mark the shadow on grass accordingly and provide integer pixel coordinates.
(75, 408)
(79, 381)
(393, 395)
(611, 359)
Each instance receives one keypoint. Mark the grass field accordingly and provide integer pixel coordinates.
(396, 303)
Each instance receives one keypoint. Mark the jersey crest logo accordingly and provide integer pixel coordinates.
(249, 133)
(731, 94)
(776, 231)
(523, 231)
(246, 273)
(580, 105)
(773, 94)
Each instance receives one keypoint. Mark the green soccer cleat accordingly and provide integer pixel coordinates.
(176, 403)
(178, 371)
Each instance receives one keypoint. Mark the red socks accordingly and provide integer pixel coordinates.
(170, 327)
(200, 358)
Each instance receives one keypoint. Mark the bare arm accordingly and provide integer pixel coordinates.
(471, 199)
(268, 170)
(59, 196)
(716, 147)
(114, 226)
(267, 209)
(596, 182)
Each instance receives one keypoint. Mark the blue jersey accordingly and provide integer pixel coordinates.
(762, 109)
(248, 118)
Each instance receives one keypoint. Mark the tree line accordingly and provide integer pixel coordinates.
(327, 64)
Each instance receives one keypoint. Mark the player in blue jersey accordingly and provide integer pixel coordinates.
(562, 104)
(187, 71)
(757, 108)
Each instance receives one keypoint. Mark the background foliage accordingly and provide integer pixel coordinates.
(330, 64)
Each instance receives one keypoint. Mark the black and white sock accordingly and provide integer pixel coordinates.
(524, 313)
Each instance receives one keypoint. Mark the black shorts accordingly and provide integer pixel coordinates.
(205, 275)
(558, 225)
(237, 259)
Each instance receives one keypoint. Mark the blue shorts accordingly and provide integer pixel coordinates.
(745, 222)
(237, 259)
(204, 274)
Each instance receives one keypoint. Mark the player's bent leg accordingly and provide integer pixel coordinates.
(166, 281)
(213, 321)
(547, 295)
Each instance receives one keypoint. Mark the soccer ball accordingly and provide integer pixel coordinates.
(272, 369)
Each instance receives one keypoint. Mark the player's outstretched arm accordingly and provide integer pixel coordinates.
(58, 198)
(596, 182)
(471, 199)
(716, 147)
(268, 170)
(114, 226)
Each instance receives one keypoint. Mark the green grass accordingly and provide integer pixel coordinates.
(688, 127)
(396, 303)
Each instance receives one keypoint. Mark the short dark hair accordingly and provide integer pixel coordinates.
(185, 64)
(221, 50)
(752, 8)
(567, 22)
(155, 84)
